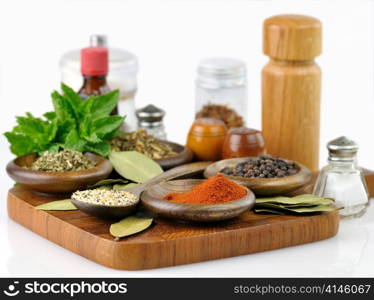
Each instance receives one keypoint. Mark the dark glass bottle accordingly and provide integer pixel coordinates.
(94, 68)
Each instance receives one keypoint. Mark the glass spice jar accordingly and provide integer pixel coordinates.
(342, 180)
(205, 139)
(221, 91)
(151, 118)
(243, 142)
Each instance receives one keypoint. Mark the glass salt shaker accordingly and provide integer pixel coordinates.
(150, 118)
(342, 180)
(221, 90)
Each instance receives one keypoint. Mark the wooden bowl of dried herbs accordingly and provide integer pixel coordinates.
(58, 173)
(167, 154)
(264, 175)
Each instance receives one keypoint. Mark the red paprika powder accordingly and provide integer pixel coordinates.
(215, 190)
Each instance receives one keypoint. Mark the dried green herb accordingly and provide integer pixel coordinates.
(129, 226)
(134, 166)
(142, 142)
(57, 205)
(63, 161)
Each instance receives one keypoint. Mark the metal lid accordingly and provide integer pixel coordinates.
(98, 40)
(342, 149)
(150, 114)
(221, 67)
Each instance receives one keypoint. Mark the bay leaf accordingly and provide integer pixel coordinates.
(107, 182)
(298, 200)
(57, 205)
(268, 211)
(299, 210)
(319, 208)
(129, 226)
(134, 166)
(125, 186)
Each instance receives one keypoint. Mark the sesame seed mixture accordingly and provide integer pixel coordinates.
(105, 197)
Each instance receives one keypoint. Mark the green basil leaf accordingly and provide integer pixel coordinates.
(106, 125)
(104, 104)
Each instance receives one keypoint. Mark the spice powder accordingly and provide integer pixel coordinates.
(215, 190)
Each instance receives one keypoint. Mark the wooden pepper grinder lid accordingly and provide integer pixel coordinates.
(292, 37)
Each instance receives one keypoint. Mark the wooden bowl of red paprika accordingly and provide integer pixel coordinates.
(158, 198)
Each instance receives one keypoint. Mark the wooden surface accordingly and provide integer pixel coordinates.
(167, 242)
(291, 91)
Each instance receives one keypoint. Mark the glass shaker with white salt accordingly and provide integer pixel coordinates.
(342, 179)
(123, 69)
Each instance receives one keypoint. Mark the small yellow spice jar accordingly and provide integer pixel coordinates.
(206, 137)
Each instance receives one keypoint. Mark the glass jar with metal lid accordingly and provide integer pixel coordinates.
(150, 118)
(342, 180)
(221, 91)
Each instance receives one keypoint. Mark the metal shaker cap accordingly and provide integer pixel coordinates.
(98, 40)
(150, 114)
(342, 149)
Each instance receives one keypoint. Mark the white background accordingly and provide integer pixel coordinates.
(169, 37)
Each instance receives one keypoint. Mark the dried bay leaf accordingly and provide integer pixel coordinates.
(298, 200)
(268, 211)
(134, 166)
(129, 226)
(57, 205)
(108, 182)
(125, 186)
(319, 208)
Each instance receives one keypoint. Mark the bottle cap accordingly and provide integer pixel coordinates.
(98, 40)
(292, 37)
(342, 149)
(150, 116)
(94, 61)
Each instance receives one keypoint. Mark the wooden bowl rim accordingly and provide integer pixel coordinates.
(106, 206)
(279, 180)
(177, 205)
(101, 164)
(186, 152)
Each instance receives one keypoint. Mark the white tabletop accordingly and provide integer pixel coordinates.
(350, 253)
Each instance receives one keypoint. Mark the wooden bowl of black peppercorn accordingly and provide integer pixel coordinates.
(264, 175)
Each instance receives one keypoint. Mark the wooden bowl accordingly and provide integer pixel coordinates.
(152, 199)
(263, 186)
(184, 156)
(105, 211)
(57, 182)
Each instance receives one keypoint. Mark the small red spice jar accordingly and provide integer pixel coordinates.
(243, 142)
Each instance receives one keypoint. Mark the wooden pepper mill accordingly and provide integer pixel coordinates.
(291, 84)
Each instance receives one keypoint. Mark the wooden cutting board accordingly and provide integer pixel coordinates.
(167, 242)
